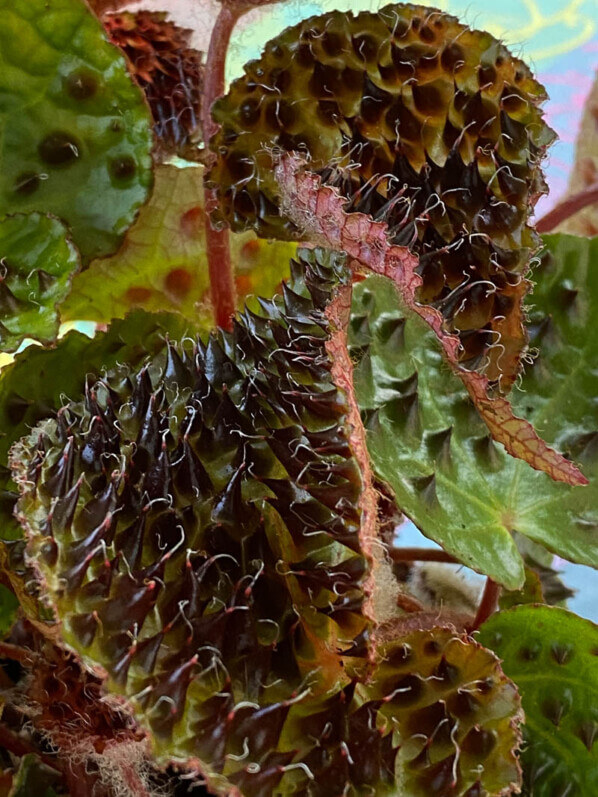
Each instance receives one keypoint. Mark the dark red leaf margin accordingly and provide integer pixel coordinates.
(319, 210)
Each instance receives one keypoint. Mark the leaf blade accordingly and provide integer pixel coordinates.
(551, 654)
(510, 495)
(76, 131)
(39, 262)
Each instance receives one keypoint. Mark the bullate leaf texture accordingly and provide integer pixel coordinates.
(420, 122)
(365, 241)
(76, 139)
(34, 387)
(195, 524)
(38, 262)
(552, 656)
(427, 442)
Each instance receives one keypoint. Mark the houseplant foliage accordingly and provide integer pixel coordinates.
(199, 588)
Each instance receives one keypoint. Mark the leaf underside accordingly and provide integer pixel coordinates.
(162, 264)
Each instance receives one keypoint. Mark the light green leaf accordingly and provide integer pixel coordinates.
(552, 655)
(76, 135)
(163, 265)
(38, 262)
(426, 440)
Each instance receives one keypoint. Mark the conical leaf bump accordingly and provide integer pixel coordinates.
(196, 523)
(454, 711)
(169, 71)
(420, 122)
(438, 718)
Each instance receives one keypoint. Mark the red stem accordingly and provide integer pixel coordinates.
(218, 245)
(421, 555)
(488, 604)
(568, 207)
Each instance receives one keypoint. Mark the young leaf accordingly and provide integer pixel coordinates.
(38, 262)
(426, 440)
(170, 73)
(420, 122)
(321, 211)
(162, 264)
(552, 655)
(76, 134)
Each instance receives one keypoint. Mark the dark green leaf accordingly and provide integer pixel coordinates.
(552, 655)
(76, 134)
(38, 262)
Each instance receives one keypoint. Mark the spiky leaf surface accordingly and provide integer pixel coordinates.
(38, 263)
(38, 382)
(162, 264)
(437, 718)
(426, 440)
(552, 655)
(442, 128)
(321, 210)
(170, 73)
(196, 522)
(454, 712)
(76, 133)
